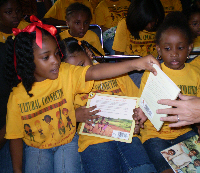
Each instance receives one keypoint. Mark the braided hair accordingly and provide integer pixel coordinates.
(22, 47)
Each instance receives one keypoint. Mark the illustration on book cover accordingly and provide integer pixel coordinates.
(184, 157)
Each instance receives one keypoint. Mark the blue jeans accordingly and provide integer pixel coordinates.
(5, 159)
(116, 157)
(64, 158)
(154, 146)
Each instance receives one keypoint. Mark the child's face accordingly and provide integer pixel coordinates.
(192, 153)
(47, 59)
(10, 14)
(173, 48)
(78, 23)
(170, 152)
(194, 24)
(197, 163)
(78, 58)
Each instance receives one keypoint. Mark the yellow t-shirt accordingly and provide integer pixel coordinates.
(123, 86)
(109, 13)
(188, 80)
(171, 5)
(90, 37)
(47, 119)
(94, 3)
(125, 42)
(4, 36)
(58, 10)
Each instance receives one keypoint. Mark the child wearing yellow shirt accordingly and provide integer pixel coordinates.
(95, 152)
(78, 17)
(10, 17)
(174, 43)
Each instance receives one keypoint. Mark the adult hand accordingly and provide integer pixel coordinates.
(187, 109)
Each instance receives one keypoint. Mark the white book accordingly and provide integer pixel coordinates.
(156, 88)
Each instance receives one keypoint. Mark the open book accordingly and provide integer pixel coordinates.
(115, 122)
(184, 157)
(156, 88)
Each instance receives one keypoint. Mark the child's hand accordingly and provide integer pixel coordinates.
(146, 63)
(86, 115)
(139, 117)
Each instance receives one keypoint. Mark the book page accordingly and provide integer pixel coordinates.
(156, 88)
(116, 122)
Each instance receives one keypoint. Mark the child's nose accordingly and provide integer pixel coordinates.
(55, 60)
(174, 53)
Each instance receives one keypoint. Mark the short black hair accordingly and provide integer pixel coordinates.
(175, 20)
(70, 45)
(142, 12)
(77, 7)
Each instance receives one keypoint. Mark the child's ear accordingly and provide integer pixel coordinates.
(190, 48)
(158, 50)
(67, 23)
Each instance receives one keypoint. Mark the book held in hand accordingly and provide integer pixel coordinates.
(156, 88)
(115, 122)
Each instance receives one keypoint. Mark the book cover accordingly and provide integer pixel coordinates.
(156, 88)
(184, 157)
(115, 122)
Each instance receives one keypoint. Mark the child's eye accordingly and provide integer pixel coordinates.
(181, 48)
(8, 12)
(195, 24)
(45, 58)
(167, 48)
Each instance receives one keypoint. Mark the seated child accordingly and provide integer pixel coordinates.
(56, 14)
(11, 17)
(95, 152)
(193, 18)
(41, 105)
(107, 14)
(78, 18)
(174, 43)
(135, 35)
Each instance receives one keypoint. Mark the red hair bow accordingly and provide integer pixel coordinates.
(33, 27)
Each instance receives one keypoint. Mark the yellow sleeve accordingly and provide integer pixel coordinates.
(177, 5)
(54, 10)
(120, 39)
(100, 14)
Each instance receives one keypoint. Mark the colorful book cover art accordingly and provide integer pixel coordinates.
(115, 122)
(184, 157)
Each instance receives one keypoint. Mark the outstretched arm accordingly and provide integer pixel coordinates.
(187, 109)
(109, 70)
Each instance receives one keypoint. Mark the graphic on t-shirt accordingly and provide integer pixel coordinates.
(61, 126)
(47, 119)
(39, 128)
(29, 132)
(69, 123)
